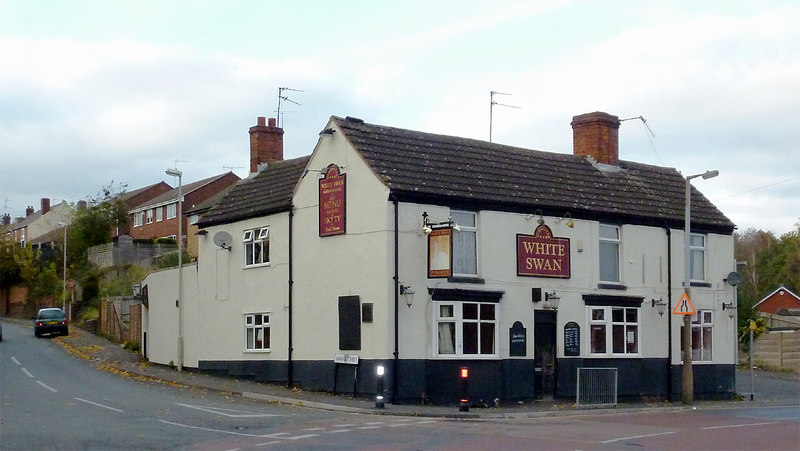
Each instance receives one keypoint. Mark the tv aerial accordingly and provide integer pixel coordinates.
(282, 98)
(492, 103)
(223, 239)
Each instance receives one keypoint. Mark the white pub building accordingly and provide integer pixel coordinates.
(426, 254)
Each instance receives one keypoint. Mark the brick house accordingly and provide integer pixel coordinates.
(157, 217)
(780, 298)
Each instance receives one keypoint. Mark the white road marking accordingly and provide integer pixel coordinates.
(397, 425)
(47, 386)
(222, 411)
(210, 429)
(28, 373)
(14, 359)
(740, 425)
(338, 431)
(300, 437)
(313, 429)
(636, 436)
(233, 449)
(369, 427)
(98, 405)
(374, 422)
(267, 443)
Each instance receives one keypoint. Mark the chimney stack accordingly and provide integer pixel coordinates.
(45, 205)
(597, 135)
(28, 211)
(266, 143)
(6, 219)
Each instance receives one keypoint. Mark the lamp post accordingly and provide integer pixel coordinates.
(179, 174)
(64, 287)
(687, 385)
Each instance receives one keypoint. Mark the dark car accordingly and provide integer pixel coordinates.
(50, 321)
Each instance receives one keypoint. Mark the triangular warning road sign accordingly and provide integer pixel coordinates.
(684, 306)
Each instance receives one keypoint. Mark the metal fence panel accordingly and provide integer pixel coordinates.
(597, 387)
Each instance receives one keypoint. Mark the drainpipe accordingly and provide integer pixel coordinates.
(396, 303)
(669, 312)
(290, 375)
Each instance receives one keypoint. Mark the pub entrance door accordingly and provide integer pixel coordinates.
(544, 353)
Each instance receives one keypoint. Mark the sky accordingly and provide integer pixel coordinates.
(103, 93)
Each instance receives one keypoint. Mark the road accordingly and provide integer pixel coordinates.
(52, 400)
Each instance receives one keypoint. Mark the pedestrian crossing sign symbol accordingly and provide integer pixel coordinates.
(684, 306)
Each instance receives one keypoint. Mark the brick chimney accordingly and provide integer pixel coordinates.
(266, 143)
(596, 134)
(29, 211)
(6, 219)
(45, 205)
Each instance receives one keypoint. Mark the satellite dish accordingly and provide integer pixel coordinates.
(223, 239)
(733, 279)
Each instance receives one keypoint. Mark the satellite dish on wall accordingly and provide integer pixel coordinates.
(223, 239)
(733, 279)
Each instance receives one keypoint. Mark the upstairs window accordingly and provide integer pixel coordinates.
(159, 214)
(609, 253)
(697, 256)
(138, 218)
(149, 216)
(172, 210)
(465, 244)
(256, 246)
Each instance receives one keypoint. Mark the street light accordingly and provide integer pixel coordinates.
(64, 288)
(179, 174)
(687, 385)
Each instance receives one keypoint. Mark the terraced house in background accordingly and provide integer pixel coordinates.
(427, 254)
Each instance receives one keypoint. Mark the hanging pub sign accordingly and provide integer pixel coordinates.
(440, 253)
(332, 202)
(542, 255)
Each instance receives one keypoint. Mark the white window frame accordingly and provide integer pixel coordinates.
(252, 328)
(149, 214)
(458, 323)
(458, 236)
(138, 219)
(610, 326)
(617, 242)
(159, 214)
(697, 247)
(172, 210)
(253, 239)
(702, 335)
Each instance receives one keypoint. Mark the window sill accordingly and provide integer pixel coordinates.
(260, 265)
(466, 279)
(701, 284)
(611, 286)
(257, 351)
(615, 356)
(465, 357)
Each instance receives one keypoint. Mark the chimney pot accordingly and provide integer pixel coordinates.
(596, 135)
(272, 122)
(261, 120)
(28, 211)
(45, 205)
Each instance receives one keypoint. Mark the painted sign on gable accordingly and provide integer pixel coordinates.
(542, 255)
(332, 190)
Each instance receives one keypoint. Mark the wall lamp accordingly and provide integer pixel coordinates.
(568, 217)
(540, 221)
(731, 307)
(660, 305)
(408, 292)
(551, 300)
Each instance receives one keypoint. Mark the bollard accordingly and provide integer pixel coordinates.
(464, 404)
(380, 401)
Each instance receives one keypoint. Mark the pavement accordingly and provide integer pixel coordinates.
(771, 388)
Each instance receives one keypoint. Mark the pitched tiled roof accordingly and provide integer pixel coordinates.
(173, 194)
(267, 192)
(468, 173)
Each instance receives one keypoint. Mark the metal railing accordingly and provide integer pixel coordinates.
(597, 387)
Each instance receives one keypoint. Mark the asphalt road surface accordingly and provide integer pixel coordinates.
(50, 399)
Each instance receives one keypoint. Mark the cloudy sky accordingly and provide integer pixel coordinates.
(98, 92)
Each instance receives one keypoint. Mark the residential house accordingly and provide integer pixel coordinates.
(781, 308)
(157, 217)
(428, 254)
(138, 197)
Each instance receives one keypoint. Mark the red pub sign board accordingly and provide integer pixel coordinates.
(332, 190)
(542, 255)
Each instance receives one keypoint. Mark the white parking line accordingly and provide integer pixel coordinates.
(28, 373)
(740, 425)
(98, 405)
(47, 386)
(14, 359)
(635, 437)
